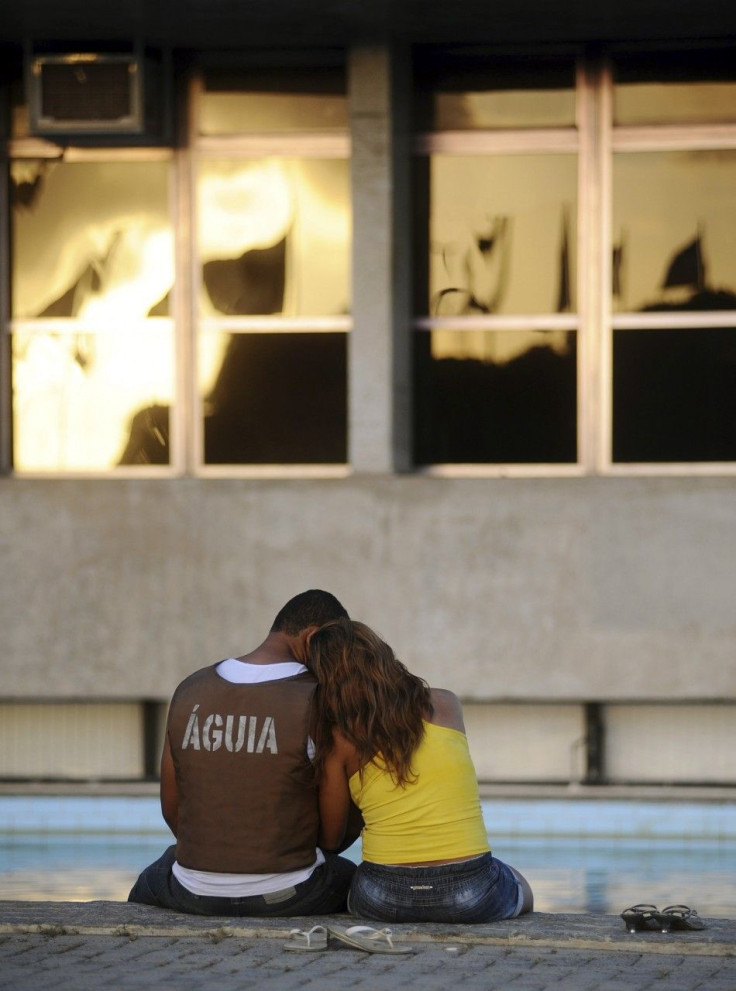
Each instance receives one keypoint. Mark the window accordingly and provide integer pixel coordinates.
(673, 283)
(188, 308)
(92, 334)
(575, 281)
(495, 344)
(240, 360)
(272, 243)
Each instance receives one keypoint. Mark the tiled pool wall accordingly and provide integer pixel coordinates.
(579, 855)
(600, 818)
(709, 822)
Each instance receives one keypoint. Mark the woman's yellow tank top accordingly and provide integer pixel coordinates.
(435, 816)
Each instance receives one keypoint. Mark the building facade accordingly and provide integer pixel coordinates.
(434, 309)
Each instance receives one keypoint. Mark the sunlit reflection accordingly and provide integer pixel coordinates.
(674, 223)
(502, 234)
(224, 113)
(72, 417)
(93, 252)
(274, 237)
(658, 103)
(250, 206)
(504, 108)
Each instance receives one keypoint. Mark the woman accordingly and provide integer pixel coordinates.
(398, 749)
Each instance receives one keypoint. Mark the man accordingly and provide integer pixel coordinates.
(237, 785)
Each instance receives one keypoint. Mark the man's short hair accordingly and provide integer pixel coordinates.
(311, 608)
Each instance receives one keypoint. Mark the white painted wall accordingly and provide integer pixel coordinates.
(71, 740)
(666, 743)
(526, 742)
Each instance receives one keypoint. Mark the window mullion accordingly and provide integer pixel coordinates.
(5, 360)
(592, 225)
(184, 412)
(193, 265)
(602, 373)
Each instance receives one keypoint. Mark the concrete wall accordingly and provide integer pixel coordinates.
(500, 589)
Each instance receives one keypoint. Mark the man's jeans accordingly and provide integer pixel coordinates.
(322, 893)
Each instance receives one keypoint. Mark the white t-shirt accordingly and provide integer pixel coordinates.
(245, 885)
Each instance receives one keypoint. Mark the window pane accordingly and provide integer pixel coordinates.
(674, 222)
(275, 237)
(274, 398)
(490, 92)
(674, 395)
(678, 88)
(502, 234)
(91, 239)
(495, 397)
(268, 101)
(90, 401)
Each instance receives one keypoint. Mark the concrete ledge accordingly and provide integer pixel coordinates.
(602, 933)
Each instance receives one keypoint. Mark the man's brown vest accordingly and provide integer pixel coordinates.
(247, 795)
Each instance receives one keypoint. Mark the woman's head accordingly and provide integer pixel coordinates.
(368, 694)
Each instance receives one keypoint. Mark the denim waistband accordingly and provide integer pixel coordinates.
(457, 868)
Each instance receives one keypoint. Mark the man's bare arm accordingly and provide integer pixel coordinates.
(169, 790)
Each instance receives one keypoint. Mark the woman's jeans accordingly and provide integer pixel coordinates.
(479, 890)
(324, 892)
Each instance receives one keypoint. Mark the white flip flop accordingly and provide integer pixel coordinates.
(369, 939)
(310, 941)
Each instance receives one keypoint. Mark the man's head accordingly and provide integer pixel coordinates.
(308, 609)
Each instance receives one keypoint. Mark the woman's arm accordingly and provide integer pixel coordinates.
(334, 796)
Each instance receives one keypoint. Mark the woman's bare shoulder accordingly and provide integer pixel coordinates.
(341, 746)
(447, 709)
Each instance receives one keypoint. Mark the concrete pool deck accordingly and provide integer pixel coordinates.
(91, 945)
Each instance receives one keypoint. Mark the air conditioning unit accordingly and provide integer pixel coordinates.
(85, 93)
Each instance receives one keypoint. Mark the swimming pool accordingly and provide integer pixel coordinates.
(580, 856)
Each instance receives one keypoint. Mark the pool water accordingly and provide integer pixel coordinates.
(583, 856)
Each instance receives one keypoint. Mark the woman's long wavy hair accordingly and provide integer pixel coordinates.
(369, 695)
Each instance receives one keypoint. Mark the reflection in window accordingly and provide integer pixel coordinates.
(495, 93)
(89, 401)
(502, 234)
(674, 395)
(275, 237)
(495, 397)
(277, 398)
(674, 221)
(274, 101)
(678, 88)
(92, 248)
(90, 239)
